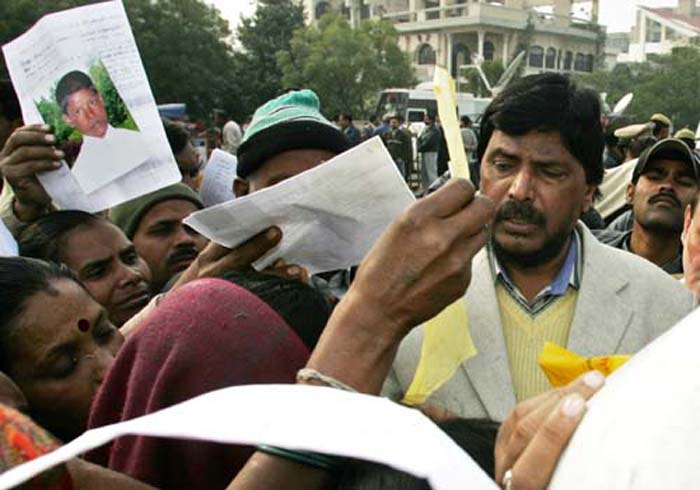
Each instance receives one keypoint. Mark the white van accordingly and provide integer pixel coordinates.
(413, 104)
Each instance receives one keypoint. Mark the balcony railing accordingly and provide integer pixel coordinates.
(476, 10)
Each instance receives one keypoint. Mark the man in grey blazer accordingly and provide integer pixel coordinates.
(543, 276)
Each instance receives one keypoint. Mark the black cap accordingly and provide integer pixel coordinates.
(667, 149)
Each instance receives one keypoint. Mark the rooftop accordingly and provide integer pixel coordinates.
(687, 21)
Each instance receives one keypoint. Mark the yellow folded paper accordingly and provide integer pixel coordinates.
(562, 366)
(446, 97)
(447, 342)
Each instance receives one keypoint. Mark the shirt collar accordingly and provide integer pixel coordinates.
(568, 275)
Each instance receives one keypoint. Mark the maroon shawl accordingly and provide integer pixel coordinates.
(207, 335)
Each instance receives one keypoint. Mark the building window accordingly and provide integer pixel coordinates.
(460, 56)
(432, 14)
(672, 35)
(568, 58)
(551, 58)
(489, 49)
(653, 31)
(589, 63)
(364, 11)
(426, 55)
(321, 9)
(580, 62)
(536, 58)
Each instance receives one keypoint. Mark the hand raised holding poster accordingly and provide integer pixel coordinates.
(80, 72)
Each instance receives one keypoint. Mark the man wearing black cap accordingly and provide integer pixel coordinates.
(664, 182)
(287, 136)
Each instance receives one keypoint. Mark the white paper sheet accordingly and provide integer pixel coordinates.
(8, 244)
(217, 181)
(313, 418)
(329, 216)
(109, 172)
(642, 430)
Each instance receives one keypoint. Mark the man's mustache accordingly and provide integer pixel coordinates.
(523, 212)
(665, 196)
(182, 254)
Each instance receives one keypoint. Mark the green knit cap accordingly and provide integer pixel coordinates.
(128, 215)
(292, 121)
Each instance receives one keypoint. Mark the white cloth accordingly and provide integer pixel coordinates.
(429, 168)
(102, 160)
(469, 140)
(231, 136)
(614, 188)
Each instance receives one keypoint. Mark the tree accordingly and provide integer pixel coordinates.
(666, 83)
(492, 69)
(344, 66)
(183, 44)
(262, 36)
(185, 50)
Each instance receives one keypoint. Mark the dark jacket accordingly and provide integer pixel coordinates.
(398, 142)
(429, 139)
(621, 240)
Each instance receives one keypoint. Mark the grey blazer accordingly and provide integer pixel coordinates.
(624, 302)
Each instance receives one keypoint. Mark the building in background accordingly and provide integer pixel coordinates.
(616, 44)
(659, 30)
(453, 33)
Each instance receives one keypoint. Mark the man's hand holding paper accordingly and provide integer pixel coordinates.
(329, 216)
(29, 151)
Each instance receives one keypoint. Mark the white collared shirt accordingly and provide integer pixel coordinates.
(102, 160)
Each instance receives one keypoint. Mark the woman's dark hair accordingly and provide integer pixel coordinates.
(43, 238)
(177, 135)
(476, 436)
(302, 307)
(550, 102)
(20, 279)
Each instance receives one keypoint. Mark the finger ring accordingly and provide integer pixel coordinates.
(507, 478)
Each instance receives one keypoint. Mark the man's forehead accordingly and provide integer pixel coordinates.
(294, 161)
(171, 209)
(81, 94)
(539, 144)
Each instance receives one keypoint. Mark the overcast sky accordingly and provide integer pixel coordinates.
(618, 15)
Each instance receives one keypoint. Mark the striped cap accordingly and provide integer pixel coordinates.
(292, 121)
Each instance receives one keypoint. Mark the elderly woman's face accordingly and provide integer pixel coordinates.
(60, 350)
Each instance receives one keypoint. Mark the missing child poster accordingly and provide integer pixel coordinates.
(80, 72)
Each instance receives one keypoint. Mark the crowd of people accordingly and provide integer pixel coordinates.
(580, 234)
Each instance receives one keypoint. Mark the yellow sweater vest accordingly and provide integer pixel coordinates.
(525, 336)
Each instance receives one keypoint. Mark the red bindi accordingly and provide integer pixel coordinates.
(83, 325)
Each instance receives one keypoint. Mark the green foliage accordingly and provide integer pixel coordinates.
(262, 36)
(184, 45)
(669, 84)
(346, 67)
(118, 113)
(492, 69)
(51, 114)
